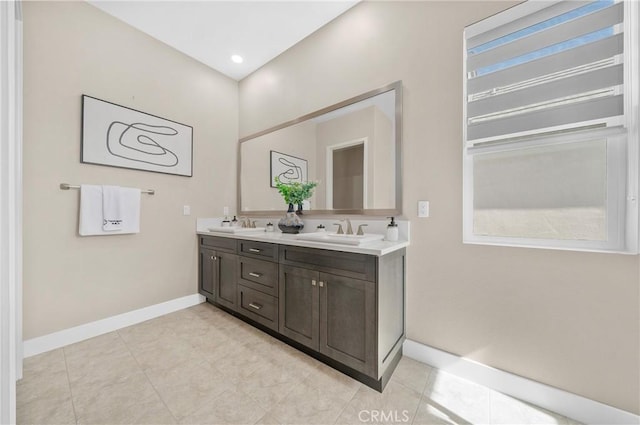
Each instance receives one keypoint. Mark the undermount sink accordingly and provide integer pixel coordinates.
(340, 239)
(235, 229)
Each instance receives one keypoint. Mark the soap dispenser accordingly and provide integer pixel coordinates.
(392, 230)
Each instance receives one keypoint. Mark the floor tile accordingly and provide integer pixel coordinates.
(132, 401)
(240, 363)
(231, 407)
(202, 365)
(432, 413)
(395, 405)
(308, 404)
(51, 361)
(456, 397)
(165, 353)
(269, 384)
(42, 385)
(99, 361)
(102, 345)
(268, 419)
(56, 408)
(146, 333)
(331, 381)
(188, 387)
(412, 374)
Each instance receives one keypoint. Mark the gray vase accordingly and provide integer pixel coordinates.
(291, 223)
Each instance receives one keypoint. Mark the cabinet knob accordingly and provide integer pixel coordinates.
(313, 282)
(321, 283)
(214, 258)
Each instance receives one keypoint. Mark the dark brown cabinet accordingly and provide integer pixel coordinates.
(347, 306)
(218, 271)
(259, 275)
(258, 306)
(299, 308)
(348, 321)
(347, 309)
(207, 272)
(332, 314)
(226, 276)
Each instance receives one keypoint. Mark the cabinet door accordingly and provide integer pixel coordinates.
(226, 279)
(298, 301)
(347, 321)
(207, 275)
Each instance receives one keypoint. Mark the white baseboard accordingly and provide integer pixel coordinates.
(565, 403)
(64, 337)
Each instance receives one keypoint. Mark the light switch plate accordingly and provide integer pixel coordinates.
(225, 211)
(186, 210)
(423, 208)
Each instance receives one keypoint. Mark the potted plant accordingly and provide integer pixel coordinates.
(294, 194)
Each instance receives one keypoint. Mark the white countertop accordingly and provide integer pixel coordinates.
(377, 248)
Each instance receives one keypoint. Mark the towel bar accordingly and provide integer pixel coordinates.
(67, 186)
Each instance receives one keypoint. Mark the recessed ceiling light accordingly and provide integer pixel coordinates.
(237, 58)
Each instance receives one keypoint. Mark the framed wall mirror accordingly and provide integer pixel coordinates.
(352, 149)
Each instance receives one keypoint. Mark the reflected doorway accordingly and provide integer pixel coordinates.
(346, 175)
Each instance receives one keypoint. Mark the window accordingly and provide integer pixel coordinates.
(551, 126)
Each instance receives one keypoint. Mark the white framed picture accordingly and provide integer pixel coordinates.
(118, 136)
(287, 168)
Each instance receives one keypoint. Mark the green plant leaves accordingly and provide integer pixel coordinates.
(295, 193)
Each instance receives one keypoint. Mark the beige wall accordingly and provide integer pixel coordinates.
(70, 49)
(568, 319)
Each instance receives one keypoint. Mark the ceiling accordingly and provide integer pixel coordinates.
(213, 31)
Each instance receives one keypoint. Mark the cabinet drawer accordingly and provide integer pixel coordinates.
(258, 306)
(259, 275)
(262, 250)
(219, 244)
(358, 266)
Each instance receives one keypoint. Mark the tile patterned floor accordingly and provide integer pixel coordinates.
(203, 366)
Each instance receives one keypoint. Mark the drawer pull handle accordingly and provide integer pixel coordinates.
(313, 283)
(255, 305)
(255, 250)
(321, 283)
(255, 274)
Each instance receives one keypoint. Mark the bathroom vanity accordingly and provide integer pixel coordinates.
(344, 305)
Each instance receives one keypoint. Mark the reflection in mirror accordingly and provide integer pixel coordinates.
(351, 149)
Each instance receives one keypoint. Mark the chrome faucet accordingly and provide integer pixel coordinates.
(244, 221)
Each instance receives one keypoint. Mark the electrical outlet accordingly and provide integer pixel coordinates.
(423, 208)
(186, 210)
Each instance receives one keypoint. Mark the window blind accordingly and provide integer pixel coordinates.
(557, 69)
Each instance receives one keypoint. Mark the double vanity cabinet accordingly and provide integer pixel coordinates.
(344, 308)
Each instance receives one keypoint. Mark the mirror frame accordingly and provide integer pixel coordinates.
(397, 211)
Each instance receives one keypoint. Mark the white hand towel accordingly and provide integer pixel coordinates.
(112, 208)
(90, 222)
